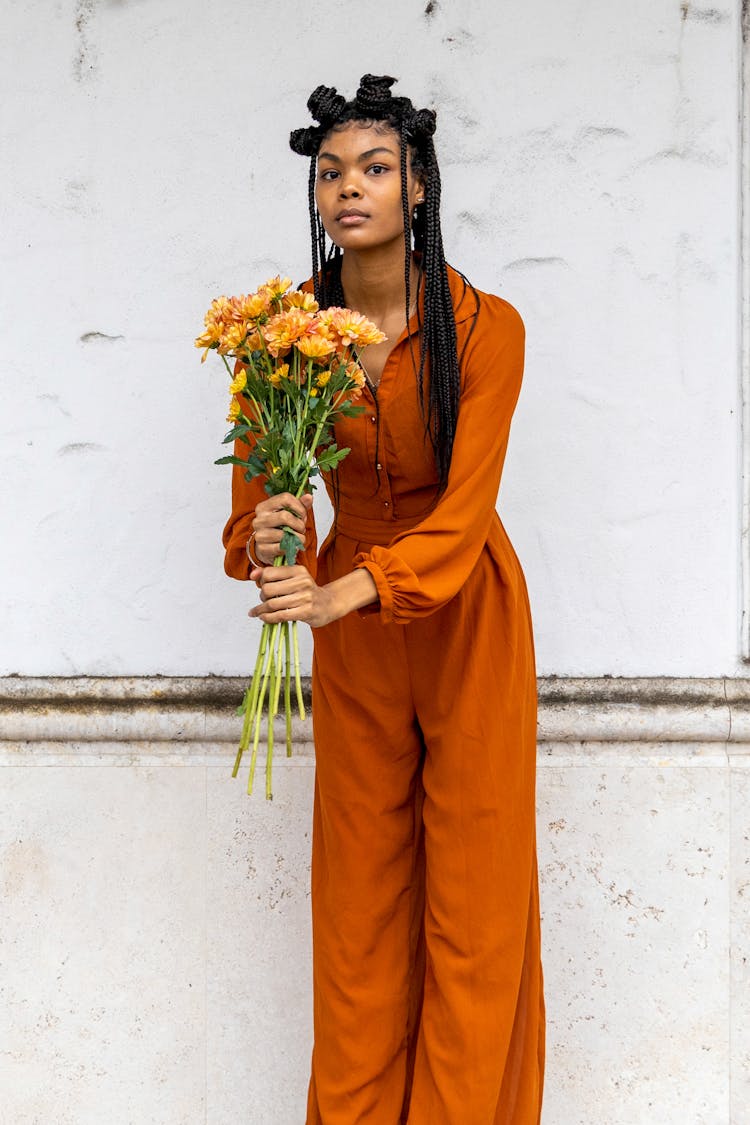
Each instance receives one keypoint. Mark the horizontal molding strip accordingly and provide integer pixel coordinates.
(201, 711)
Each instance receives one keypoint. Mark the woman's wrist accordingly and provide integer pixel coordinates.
(350, 592)
(251, 550)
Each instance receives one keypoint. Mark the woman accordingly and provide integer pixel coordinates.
(428, 1000)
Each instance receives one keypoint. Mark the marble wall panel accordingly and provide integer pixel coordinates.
(102, 945)
(155, 945)
(740, 933)
(634, 865)
(259, 1000)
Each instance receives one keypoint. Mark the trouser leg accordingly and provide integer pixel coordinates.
(365, 875)
(480, 1052)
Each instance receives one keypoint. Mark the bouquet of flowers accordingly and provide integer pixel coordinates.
(296, 371)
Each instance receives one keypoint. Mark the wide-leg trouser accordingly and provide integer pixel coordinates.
(428, 992)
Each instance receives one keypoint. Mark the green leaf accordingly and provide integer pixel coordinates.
(231, 461)
(291, 545)
(237, 432)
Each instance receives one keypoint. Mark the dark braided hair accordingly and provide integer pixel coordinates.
(374, 104)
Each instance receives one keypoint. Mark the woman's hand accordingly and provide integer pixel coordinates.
(290, 593)
(272, 516)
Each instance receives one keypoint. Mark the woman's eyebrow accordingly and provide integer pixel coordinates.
(365, 155)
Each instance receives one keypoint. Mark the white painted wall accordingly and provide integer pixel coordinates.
(590, 157)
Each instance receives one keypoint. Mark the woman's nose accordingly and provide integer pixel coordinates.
(349, 190)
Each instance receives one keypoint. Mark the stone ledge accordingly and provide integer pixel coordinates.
(200, 710)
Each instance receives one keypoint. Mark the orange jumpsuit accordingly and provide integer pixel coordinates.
(428, 997)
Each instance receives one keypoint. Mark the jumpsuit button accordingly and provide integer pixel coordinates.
(373, 418)
(386, 504)
(378, 466)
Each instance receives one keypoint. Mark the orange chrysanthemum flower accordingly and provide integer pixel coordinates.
(315, 345)
(233, 335)
(285, 329)
(250, 307)
(254, 342)
(218, 312)
(353, 328)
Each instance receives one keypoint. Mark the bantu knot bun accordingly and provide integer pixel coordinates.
(304, 142)
(326, 104)
(374, 93)
(425, 122)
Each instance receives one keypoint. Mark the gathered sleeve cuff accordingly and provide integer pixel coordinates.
(423, 568)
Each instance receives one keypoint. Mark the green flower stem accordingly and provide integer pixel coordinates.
(273, 704)
(297, 677)
(250, 700)
(269, 723)
(259, 711)
(288, 690)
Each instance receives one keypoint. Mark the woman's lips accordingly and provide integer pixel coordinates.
(351, 218)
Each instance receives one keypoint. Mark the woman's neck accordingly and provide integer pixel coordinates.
(373, 281)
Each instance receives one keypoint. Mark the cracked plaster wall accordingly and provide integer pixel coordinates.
(589, 154)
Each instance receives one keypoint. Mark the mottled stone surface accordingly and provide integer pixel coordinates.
(259, 997)
(155, 959)
(634, 866)
(740, 939)
(103, 946)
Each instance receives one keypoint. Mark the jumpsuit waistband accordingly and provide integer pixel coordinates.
(377, 532)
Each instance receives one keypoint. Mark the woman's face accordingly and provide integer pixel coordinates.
(358, 188)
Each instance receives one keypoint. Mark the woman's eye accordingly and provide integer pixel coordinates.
(378, 169)
(329, 174)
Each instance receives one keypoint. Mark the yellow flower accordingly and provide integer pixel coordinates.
(239, 382)
(274, 378)
(355, 373)
(208, 339)
(315, 345)
(234, 410)
(283, 371)
(313, 393)
(276, 287)
(323, 378)
(299, 300)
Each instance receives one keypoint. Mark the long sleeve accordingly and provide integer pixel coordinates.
(423, 568)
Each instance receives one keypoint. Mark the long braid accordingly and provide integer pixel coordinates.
(314, 225)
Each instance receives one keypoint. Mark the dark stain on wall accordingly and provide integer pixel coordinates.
(703, 15)
(84, 60)
(431, 8)
(91, 337)
(79, 447)
(745, 20)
